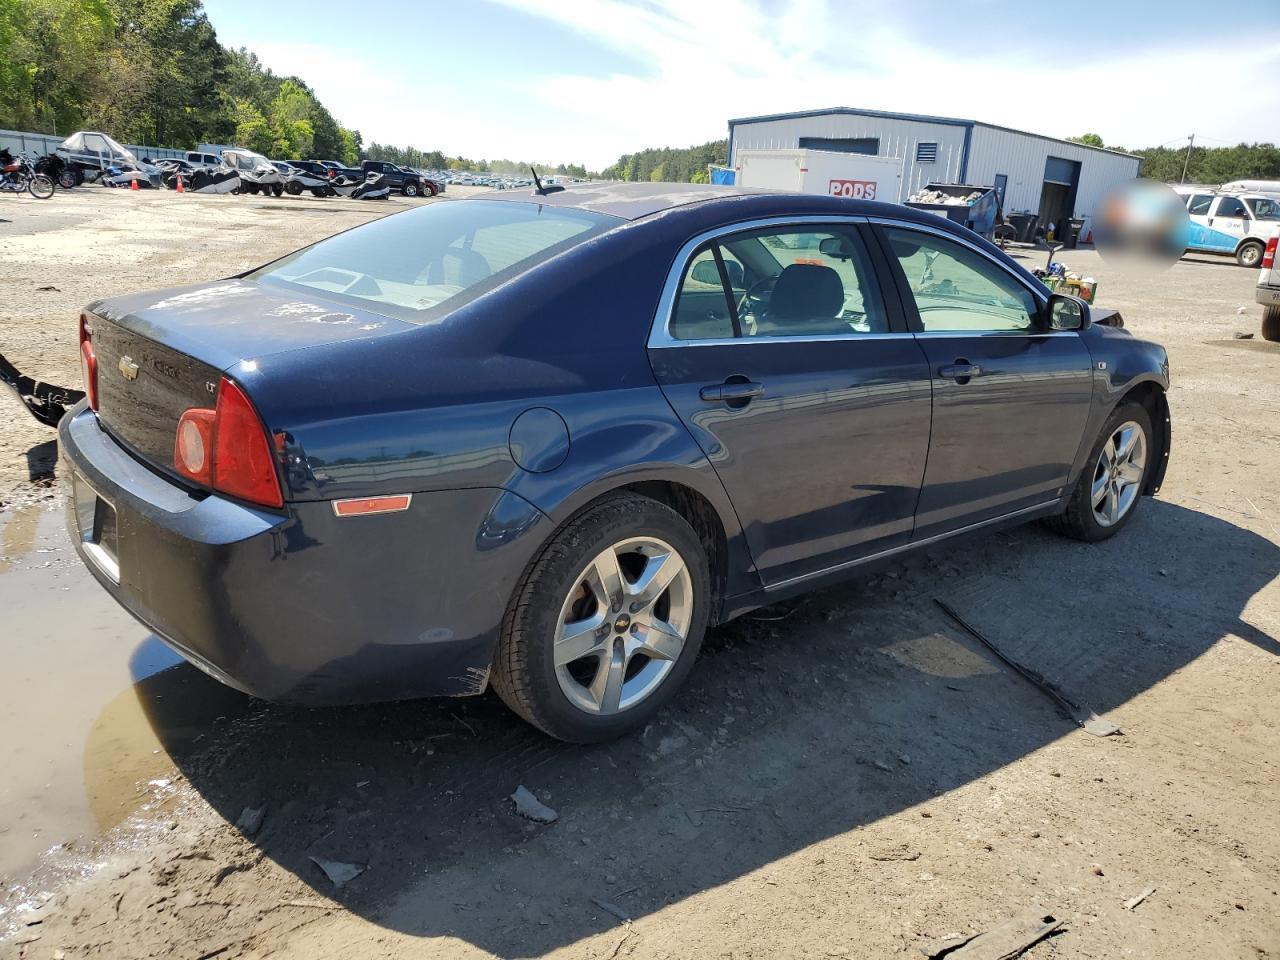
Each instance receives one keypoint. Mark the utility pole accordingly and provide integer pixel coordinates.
(1187, 161)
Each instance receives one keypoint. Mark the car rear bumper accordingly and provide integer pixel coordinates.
(302, 606)
(1268, 296)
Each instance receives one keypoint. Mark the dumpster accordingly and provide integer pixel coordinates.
(977, 208)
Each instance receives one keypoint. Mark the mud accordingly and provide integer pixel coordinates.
(851, 775)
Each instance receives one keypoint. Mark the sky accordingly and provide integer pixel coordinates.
(584, 81)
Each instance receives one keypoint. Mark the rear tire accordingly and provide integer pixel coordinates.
(295, 189)
(66, 179)
(1104, 500)
(1271, 323)
(556, 611)
(1250, 254)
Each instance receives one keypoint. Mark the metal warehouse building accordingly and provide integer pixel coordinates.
(1032, 173)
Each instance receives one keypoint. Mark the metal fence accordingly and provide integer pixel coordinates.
(39, 144)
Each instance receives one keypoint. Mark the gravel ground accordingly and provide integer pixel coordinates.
(849, 776)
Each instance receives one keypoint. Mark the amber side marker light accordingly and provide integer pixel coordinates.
(364, 506)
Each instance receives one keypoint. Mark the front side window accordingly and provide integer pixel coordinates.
(783, 282)
(422, 263)
(959, 290)
(1230, 207)
(1200, 204)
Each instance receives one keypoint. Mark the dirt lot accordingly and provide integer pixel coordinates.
(850, 776)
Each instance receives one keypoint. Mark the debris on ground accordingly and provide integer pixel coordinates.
(250, 821)
(1086, 719)
(1242, 336)
(339, 874)
(1002, 942)
(531, 808)
(1133, 902)
(612, 908)
(899, 851)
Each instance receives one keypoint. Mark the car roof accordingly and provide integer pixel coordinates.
(628, 201)
(635, 201)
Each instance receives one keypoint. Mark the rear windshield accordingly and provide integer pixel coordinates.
(421, 264)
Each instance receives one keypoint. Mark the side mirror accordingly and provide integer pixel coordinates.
(705, 271)
(836, 247)
(1067, 312)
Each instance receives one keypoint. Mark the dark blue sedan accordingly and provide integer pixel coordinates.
(545, 440)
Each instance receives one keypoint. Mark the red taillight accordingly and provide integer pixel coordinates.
(227, 449)
(88, 361)
(1269, 258)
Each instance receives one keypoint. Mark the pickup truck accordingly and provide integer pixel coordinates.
(406, 181)
(1269, 290)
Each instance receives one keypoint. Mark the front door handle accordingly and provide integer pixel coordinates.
(732, 392)
(961, 371)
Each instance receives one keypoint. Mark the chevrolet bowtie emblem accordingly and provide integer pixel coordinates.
(128, 369)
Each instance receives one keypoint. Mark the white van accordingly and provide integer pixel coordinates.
(1235, 223)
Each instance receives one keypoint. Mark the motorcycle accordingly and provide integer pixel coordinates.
(52, 166)
(18, 174)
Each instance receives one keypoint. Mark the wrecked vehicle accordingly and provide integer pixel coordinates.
(204, 180)
(373, 186)
(257, 174)
(299, 179)
(543, 441)
(94, 157)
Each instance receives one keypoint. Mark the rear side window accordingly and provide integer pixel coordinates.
(957, 289)
(420, 264)
(784, 282)
(1200, 204)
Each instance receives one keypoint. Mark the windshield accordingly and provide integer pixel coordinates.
(421, 264)
(1264, 208)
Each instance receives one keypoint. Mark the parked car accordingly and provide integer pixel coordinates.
(411, 460)
(203, 161)
(257, 174)
(1239, 224)
(1269, 290)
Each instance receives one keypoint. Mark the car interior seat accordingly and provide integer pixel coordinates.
(805, 300)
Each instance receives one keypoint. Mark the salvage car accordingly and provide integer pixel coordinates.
(542, 441)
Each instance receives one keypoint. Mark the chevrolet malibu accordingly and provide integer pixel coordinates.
(544, 441)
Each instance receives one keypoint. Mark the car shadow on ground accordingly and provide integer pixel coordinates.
(799, 723)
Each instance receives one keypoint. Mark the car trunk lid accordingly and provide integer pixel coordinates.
(162, 353)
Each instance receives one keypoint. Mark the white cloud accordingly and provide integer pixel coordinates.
(702, 63)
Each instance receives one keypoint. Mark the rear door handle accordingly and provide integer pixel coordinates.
(731, 391)
(960, 371)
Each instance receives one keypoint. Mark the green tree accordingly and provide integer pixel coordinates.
(252, 129)
(1088, 139)
(350, 154)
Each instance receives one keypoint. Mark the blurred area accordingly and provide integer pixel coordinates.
(1142, 224)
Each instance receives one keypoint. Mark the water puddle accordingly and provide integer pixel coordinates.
(81, 679)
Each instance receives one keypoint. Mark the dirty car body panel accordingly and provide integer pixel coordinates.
(497, 408)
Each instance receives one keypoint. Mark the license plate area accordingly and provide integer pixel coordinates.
(96, 525)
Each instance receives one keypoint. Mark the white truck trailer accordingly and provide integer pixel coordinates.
(854, 175)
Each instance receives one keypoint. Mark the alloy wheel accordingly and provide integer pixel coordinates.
(623, 625)
(1117, 476)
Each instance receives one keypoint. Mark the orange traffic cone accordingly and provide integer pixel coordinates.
(133, 184)
(180, 190)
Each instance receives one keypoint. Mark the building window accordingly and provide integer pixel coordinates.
(868, 145)
(926, 152)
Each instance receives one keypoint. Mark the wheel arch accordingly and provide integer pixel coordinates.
(707, 511)
(1151, 395)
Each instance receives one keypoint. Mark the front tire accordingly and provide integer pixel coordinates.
(1271, 323)
(1107, 494)
(1250, 254)
(607, 622)
(40, 187)
(410, 189)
